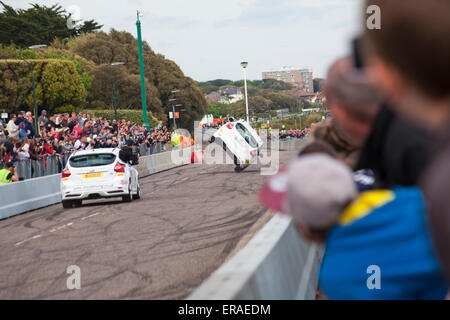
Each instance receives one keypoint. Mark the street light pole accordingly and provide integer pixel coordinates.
(33, 84)
(114, 99)
(244, 66)
(173, 108)
(141, 68)
(36, 111)
(114, 88)
(173, 114)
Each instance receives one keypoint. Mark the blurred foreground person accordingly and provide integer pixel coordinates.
(331, 133)
(382, 229)
(394, 149)
(409, 58)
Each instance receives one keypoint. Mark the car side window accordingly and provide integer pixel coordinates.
(248, 137)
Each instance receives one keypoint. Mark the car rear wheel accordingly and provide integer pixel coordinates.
(67, 204)
(129, 196)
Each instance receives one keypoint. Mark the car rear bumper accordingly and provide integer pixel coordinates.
(93, 195)
(81, 192)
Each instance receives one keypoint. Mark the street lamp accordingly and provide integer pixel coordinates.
(173, 107)
(37, 46)
(114, 88)
(173, 114)
(141, 71)
(244, 66)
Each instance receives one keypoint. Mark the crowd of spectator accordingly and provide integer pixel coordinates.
(61, 134)
(294, 133)
(372, 186)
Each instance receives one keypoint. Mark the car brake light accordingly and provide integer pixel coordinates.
(230, 126)
(66, 173)
(119, 167)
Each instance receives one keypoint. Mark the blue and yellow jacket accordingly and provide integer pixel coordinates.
(386, 229)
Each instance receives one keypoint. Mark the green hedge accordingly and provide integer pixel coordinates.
(131, 115)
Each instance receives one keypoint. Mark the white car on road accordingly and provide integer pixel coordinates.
(240, 141)
(98, 173)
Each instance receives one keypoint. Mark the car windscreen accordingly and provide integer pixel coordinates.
(246, 135)
(92, 160)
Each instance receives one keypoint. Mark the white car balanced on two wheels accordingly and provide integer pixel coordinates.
(240, 141)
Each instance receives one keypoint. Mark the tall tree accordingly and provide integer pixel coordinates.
(163, 76)
(38, 25)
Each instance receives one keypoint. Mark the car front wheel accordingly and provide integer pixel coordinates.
(138, 193)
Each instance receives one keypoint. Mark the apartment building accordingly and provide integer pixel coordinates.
(301, 78)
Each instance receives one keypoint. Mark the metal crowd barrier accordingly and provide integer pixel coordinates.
(54, 164)
(37, 193)
(154, 148)
(28, 169)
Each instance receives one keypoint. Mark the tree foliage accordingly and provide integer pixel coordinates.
(92, 55)
(276, 85)
(162, 76)
(219, 110)
(269, 84)
(38, 25)
(279, 100)
(58, 85)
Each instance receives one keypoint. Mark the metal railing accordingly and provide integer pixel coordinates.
(154, 148)
(54, 164)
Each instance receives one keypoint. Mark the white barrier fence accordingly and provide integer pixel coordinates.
(277, 264)
(28, 195)
(20, 197)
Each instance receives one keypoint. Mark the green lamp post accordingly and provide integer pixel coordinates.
(141, 67)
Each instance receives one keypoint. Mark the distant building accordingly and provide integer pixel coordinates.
(301, 78)
(230, 95)
(283, 113)
(225, 96)
(310, 110)
(319, 97)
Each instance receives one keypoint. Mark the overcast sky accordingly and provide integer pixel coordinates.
(209, 38)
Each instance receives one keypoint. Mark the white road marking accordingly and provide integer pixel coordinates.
(61, 227)
(90, 216)
(39, 235)
(26, 240)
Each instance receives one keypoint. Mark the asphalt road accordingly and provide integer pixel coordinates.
(163, 246)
